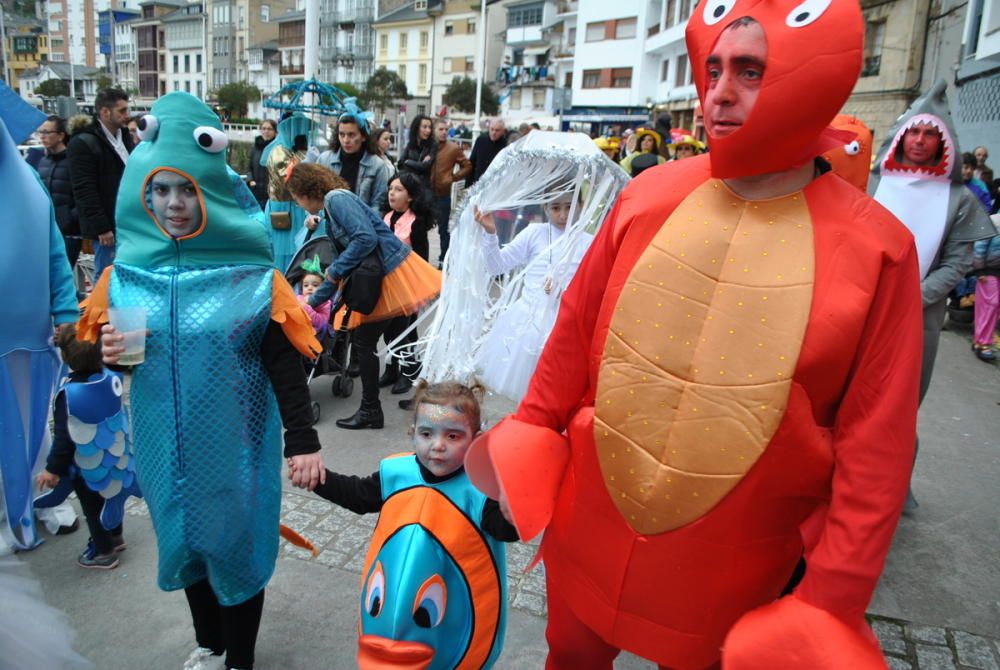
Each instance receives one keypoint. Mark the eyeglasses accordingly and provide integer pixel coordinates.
(48, 132)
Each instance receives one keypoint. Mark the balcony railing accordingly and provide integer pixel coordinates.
(358, 14)
(291, 70)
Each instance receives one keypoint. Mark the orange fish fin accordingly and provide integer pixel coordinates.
(296, 539)
(95, 309)
(286, 310)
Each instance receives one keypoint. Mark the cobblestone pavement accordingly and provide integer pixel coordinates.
(341, 538)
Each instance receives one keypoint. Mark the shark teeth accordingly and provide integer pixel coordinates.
(942, 169)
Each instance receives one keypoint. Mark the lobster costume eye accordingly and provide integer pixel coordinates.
(430, 602)
(210, 139)
(716, 10)
(806, 13)
(146, 127)
(375, 593)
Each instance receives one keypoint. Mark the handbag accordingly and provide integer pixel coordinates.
(281, 220)
(363, 285)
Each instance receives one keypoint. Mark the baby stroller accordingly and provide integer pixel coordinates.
(336, 342)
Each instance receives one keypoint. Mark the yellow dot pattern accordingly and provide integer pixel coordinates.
(700, 355)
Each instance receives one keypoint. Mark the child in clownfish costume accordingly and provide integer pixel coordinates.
(434, 579)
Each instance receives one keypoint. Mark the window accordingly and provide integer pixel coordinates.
(874, 35)
(525, 15)
(421, 110)
(515, 99)
(177, 85)
(568, 81)
(402, 71)
(470, 64)
(685, 10)
(680, 79)
(197, 60)
(424, 40)
(243, 16)
(625, 29)
(265, 15)
(200, 91)
(404, 41)
(449, 28)
(470, 26)
(664, 69)
(420, 5)
(621, 77)
(383, 42)
(591, 79)
(177, 67)
(595, 31)
(538, 98)
(187, 86)
(187, 62)
(422, 75)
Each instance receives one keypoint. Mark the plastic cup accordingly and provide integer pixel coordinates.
(131, 323)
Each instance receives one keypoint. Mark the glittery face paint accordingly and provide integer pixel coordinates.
(441, 436)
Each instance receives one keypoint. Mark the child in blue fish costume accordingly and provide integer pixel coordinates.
(92, 453)
(226, 335)
(434, 585)
(34, 265)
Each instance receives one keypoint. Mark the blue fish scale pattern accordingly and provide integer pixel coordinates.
(205, 424)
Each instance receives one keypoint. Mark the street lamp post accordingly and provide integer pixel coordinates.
(482, 65)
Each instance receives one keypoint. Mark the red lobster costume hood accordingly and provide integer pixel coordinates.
(729, 389)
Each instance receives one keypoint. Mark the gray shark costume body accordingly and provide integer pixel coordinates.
(943, 215)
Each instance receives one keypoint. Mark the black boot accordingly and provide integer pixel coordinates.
(402, 385)
(367, 416)
(391, 374)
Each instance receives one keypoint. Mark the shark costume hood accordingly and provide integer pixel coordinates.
(930, 200)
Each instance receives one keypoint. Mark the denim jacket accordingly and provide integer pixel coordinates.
(373, 175)
(356, 229)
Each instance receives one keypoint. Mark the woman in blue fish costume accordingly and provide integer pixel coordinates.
(33, 260)
(226, 335)
(285, 219)
(434, 582)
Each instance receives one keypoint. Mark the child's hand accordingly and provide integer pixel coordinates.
(112, 344)
(485, 219)
(307, 471)
(47, 480)
(312, 222)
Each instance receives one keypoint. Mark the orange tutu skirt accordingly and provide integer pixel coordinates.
(413, 284)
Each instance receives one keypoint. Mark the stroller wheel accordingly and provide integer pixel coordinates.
(338, 381)
(347, 387)
(315, 410)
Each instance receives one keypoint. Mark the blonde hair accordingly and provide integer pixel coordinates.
(462, 398)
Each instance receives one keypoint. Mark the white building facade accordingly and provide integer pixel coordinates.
(404, 41)
(185, 52)
(456, 47)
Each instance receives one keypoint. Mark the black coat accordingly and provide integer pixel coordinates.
(258, 172)
(54, 171)
(413, 160)
(483, 153)
(96, 171)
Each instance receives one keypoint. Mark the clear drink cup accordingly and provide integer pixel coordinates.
(130, 322)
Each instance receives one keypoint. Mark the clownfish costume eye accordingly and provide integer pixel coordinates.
(210, 139)
(806, 13)
(430, 603)
(116, 385)
(716, 10)
(375, 593)
(852, 149)
(146, 127)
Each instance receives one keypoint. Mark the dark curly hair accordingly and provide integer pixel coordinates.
(310, 180)
(420, 199)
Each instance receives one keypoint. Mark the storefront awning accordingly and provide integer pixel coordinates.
(536, 51)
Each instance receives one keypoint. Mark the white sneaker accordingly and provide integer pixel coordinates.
(204, 659)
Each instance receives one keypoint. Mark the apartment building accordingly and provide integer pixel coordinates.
(405, 45)
(150, 54)
(26, 47)
(292, 46)
(346, 41)
(184, 34)
(456, 45)
(234, 25)
(976, 106)
(83, 80)
(114, 35)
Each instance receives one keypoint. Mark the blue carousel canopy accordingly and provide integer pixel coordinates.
(326, 99)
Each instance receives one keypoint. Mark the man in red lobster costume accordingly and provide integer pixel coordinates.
(725, 411)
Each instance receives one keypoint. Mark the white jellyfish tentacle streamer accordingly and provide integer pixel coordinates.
(539, 169)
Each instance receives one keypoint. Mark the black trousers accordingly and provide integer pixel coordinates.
(364, 340)
(232, 630)
(92, 503)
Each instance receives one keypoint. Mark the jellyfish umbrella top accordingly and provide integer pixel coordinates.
(326, 99)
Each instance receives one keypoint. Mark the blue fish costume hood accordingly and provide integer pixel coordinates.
(205, 422)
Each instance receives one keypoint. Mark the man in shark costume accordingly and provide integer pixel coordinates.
(225, 327)
(918, 177)
(40, 294)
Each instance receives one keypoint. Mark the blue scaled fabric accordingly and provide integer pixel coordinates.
(433, 578)
(36, 272)
(99, 427)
